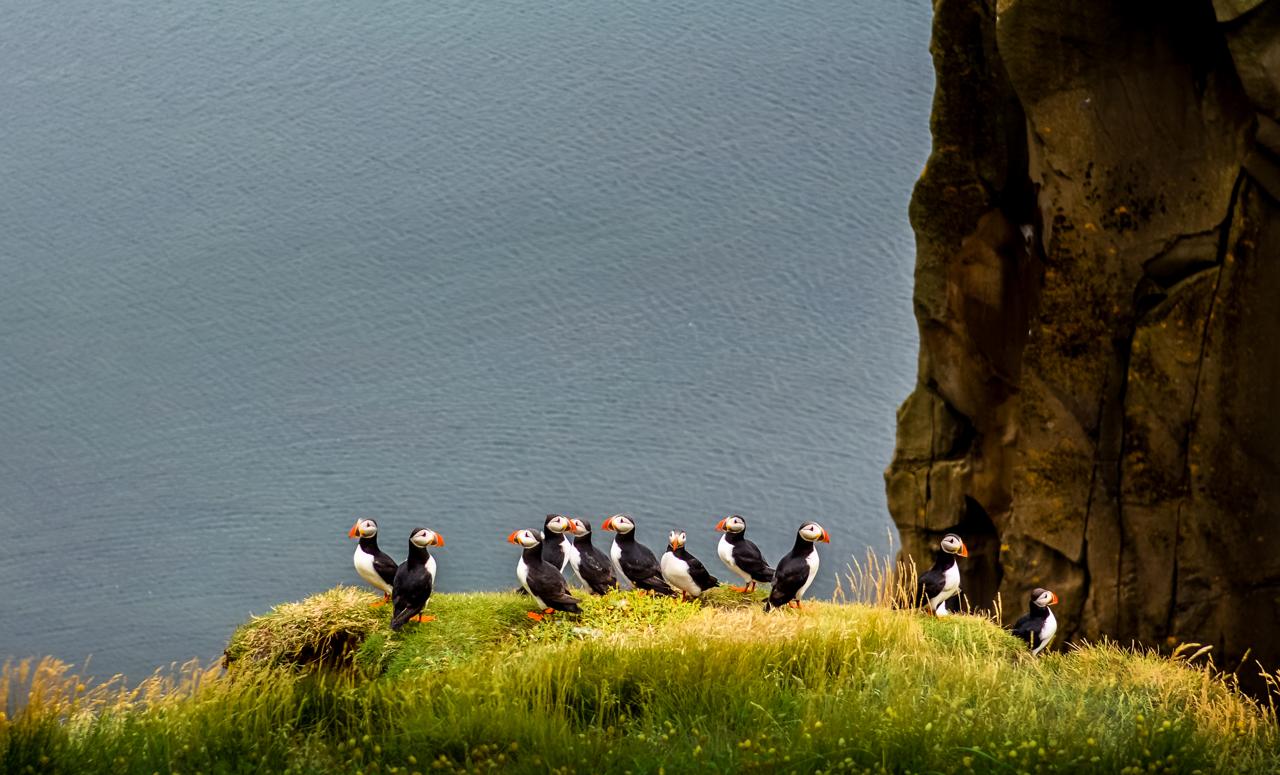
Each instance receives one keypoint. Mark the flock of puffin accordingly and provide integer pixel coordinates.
(566, 541)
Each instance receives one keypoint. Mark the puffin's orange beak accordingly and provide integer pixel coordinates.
(964, 550)
(512, 538)
(608, 524)
(438, 541)
(826, 537)
(1054, 601)
(720, 524)
(354, 531)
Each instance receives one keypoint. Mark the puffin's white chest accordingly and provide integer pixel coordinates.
(575, 560)
(522, 573)
(615, 554)
(364, 566)
(676, 573)
(1047, 631)
(812, 561)
(951, 581)
(725, 550)
(571, 554)
(950, 586)
(431, 574)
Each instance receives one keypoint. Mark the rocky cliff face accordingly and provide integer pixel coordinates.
(1098, 295)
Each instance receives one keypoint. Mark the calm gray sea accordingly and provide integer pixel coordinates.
(265, 267)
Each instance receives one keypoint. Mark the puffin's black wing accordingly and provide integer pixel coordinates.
(410, 590)
(792, 573)
(655, 584)
(642, 569)
(749, 558)
(639, 563)
(1026, 629)
(385, 566)
(596, 570)
(698, 572)
(562, 601)
(551, 588)
(931, 584)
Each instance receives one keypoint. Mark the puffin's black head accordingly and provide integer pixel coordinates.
(1043, 598)
(812, 531)
(557, 523)
(423, 537)
(525, 537)
(951, 544)
(363, 528)
(676, 539)
(580, 527)
(733, 524)
(620, 523)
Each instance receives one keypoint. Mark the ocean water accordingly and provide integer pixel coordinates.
(265, 267)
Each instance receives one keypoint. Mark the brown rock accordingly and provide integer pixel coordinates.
(1091, 412)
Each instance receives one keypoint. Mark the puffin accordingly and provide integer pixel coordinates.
(683, 571)
(742, 556)
(1038, 625)
(555, 540)
(414, 579)
(797, 570)
(591, 564)
(374, 565)
(541, 579)
(941, 582)
(633, 560)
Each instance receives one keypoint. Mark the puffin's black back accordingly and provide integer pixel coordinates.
(1030, 624)
(545, 581)
(383, 565)
(791, 574)
(933, 580)
(410, 588)
(748, 557)
(593, 566)
(641, 566)
(697, 571)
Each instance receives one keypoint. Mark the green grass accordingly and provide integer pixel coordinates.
(641, 684)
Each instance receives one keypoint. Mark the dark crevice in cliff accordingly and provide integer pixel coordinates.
(1181, 258)
(985, 573)
(1088, 513)
(1111, 440)
(928, 471)
(1224, 245)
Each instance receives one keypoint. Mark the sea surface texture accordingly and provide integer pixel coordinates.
(266, 267)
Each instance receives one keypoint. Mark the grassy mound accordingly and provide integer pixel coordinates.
(641, 684)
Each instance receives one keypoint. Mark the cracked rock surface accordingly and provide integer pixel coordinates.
(1098, 294)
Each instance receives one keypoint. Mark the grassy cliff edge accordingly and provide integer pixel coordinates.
(639, 684)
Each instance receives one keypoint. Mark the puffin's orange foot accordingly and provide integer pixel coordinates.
(793, 604)
(424, 618)
(534, 615)
(740, 590)
(378, 604)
